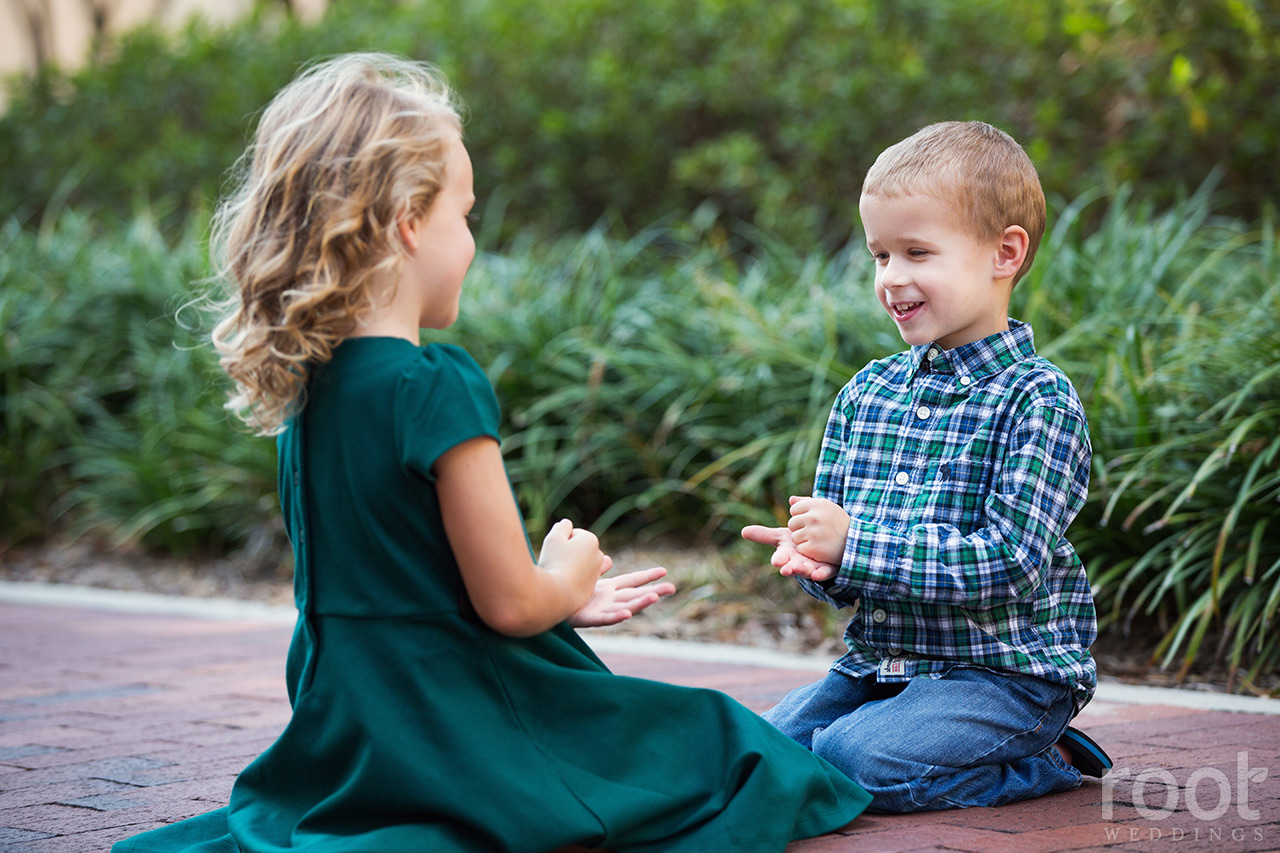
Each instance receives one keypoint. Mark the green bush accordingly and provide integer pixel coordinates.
(111, 408)
(768, 112)
(665, 385)
(675, 383)
(1167, 323)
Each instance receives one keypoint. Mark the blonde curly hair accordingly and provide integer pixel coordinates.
(343, 154)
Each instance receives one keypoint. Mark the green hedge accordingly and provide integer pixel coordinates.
(661, 385)
(110, 407)
(768, 112)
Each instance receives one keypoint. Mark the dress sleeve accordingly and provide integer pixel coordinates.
(443, 400)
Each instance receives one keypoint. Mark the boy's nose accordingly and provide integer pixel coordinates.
(894, 274)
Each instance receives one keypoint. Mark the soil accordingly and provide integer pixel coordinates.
(719, 599)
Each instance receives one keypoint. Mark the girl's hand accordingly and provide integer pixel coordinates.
(574, 554)
(786, 559)
(819, 529)
(619, 598)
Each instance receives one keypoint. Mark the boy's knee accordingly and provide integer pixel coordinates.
(875, 768)
(790, 725)
(847, 753)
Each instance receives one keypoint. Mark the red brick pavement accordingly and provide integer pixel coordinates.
(112, 723)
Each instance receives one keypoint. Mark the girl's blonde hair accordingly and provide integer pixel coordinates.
(343, 154)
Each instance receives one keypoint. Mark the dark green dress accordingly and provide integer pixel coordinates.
(417, 728)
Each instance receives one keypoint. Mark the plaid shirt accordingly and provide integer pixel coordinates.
(961, 471)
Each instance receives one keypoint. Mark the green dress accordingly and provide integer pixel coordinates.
(417, 728)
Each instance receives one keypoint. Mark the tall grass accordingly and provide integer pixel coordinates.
(662, 383)
(111, 408)
(677, 382)
(1176, 346)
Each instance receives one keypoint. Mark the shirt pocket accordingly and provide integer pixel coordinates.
(958, 489)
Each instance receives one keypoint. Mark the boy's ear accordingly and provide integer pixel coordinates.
(1011, 251)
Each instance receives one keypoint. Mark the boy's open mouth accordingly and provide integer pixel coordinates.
(902, 309)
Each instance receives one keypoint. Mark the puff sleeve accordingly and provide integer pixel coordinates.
(444, 399)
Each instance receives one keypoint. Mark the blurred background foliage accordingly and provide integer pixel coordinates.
(671, 286)
(769, 111)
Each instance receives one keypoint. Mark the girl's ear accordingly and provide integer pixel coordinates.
(1011, 251)
(409, 231)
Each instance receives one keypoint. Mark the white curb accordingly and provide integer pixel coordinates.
(146, 603)
(119, 601)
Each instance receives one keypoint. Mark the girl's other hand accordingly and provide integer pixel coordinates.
(619, 598)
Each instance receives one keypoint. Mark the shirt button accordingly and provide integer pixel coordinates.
(933, 353)
(902, 478)
(895, 651)
(879, 615)
(922, 413)
(966, 381)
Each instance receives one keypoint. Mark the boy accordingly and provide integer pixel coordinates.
(947, 478)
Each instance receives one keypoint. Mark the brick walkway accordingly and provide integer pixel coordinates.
(112, 722)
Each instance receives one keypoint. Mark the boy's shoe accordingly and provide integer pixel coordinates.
(1086, 756)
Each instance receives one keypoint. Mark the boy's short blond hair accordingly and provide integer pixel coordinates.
(980, 170)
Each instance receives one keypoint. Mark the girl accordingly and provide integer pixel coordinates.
(441, 698)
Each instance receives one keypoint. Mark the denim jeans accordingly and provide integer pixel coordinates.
(973, 737)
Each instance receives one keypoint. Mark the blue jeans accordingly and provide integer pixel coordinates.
(973, 737)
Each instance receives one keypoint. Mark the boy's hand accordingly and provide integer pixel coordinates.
(819, 529)
(619, 598)
(786, 558)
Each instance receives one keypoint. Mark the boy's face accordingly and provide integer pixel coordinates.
(938, 282)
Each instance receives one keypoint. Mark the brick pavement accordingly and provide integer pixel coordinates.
(112, 723)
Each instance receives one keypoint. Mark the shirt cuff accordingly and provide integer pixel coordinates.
(873, 558)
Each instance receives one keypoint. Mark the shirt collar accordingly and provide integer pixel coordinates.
(981, 358)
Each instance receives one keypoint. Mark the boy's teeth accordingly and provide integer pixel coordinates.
(905, 307)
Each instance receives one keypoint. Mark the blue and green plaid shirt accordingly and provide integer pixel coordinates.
(961, 470)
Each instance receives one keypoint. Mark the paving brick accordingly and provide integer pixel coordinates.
(11, 754)
(10, 837)
(32, 795)
(821, 844)
(1071, 808)
(103, 802)
(65, 737)
(213, 791)
(58, 820)
(137, 770)
(904, 835)
(30, 720)
(98, 751)
(128, 723)
(98, 841)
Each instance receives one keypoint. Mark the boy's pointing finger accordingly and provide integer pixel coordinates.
(763, 535)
